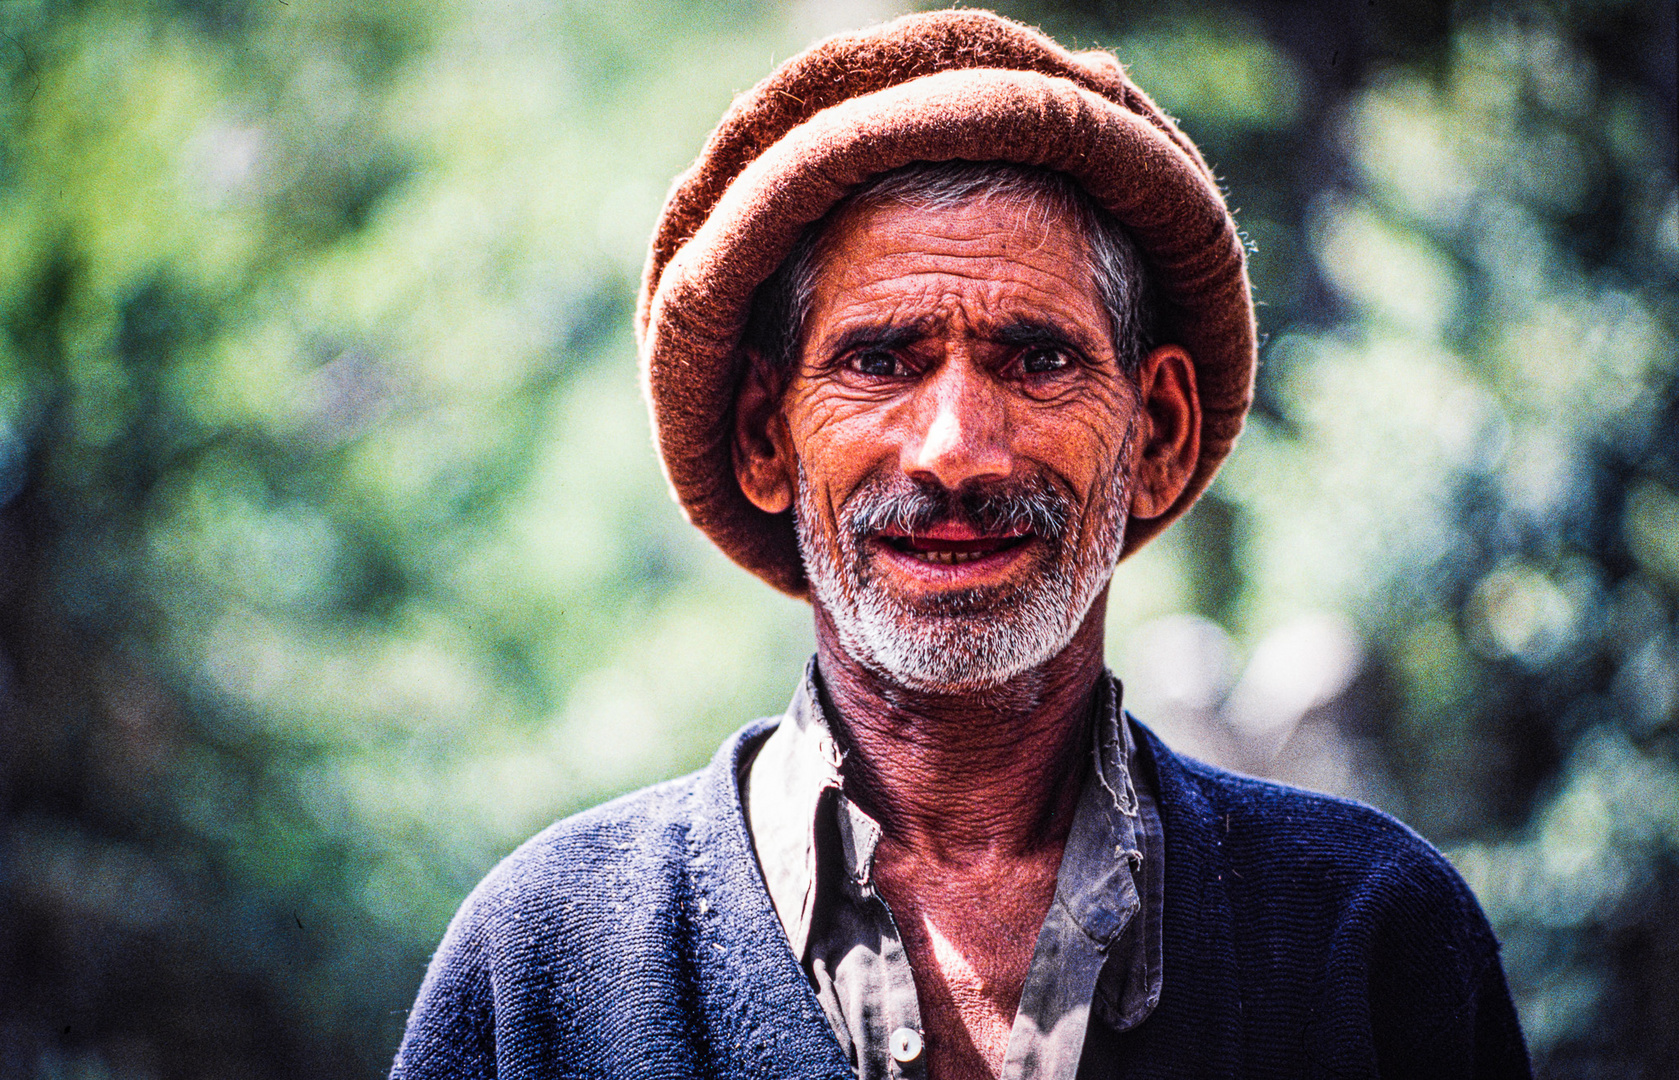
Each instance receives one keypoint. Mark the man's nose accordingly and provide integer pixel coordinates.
(960, 427)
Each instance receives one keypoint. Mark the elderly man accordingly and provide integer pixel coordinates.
(946, 321)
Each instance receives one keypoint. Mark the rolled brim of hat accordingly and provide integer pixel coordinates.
(698, 290)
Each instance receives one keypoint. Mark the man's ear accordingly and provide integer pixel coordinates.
(1172, 427)
(763, 449)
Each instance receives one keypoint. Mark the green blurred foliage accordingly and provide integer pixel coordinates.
(335, 559)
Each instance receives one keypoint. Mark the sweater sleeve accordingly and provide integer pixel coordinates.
(451, 1029)
(1438, 1035)
(1500, 1050)
(1440, 1006)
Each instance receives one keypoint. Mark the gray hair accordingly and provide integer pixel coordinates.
(781, 305)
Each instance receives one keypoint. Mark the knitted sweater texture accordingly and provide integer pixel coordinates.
(1305, 936)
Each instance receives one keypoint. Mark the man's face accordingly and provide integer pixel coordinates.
(962, 437)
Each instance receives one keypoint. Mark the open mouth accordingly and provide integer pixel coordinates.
(941, 551)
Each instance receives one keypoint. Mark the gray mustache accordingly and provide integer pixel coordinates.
(913, 506)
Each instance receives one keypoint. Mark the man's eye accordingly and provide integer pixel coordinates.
(1042, 361)
(882, 364)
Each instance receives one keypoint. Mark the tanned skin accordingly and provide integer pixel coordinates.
(914, 359)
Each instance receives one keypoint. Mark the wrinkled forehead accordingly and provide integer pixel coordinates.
(997, 267)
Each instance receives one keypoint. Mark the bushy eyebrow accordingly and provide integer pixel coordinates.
(1015, 332)
(1023, 332)
(885, 337)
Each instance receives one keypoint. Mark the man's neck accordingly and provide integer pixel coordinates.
(966, 775)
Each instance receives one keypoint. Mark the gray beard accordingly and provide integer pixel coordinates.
(968, 640)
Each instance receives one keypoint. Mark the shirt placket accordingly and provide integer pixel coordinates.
(891, 1036)
(1095, 898)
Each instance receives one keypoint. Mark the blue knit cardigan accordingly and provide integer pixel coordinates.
(1305, 936)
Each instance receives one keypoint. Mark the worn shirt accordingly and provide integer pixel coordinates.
(1100, 946)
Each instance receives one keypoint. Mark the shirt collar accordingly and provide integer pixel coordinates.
(1102, 883)
(1104, 845)
(789, 776)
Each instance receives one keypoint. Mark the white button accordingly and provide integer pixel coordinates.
(906, 1045)
(829, 750)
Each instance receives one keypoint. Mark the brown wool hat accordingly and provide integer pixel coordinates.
(948, 85)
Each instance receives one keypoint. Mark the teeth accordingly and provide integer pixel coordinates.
(947, 558)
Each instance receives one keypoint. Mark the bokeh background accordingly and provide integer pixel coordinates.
(334, 558)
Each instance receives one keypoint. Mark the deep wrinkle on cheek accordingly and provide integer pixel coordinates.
(836, 409)
(840, 434)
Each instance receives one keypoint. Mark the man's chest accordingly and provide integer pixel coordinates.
(977, 966)
(969, 933)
